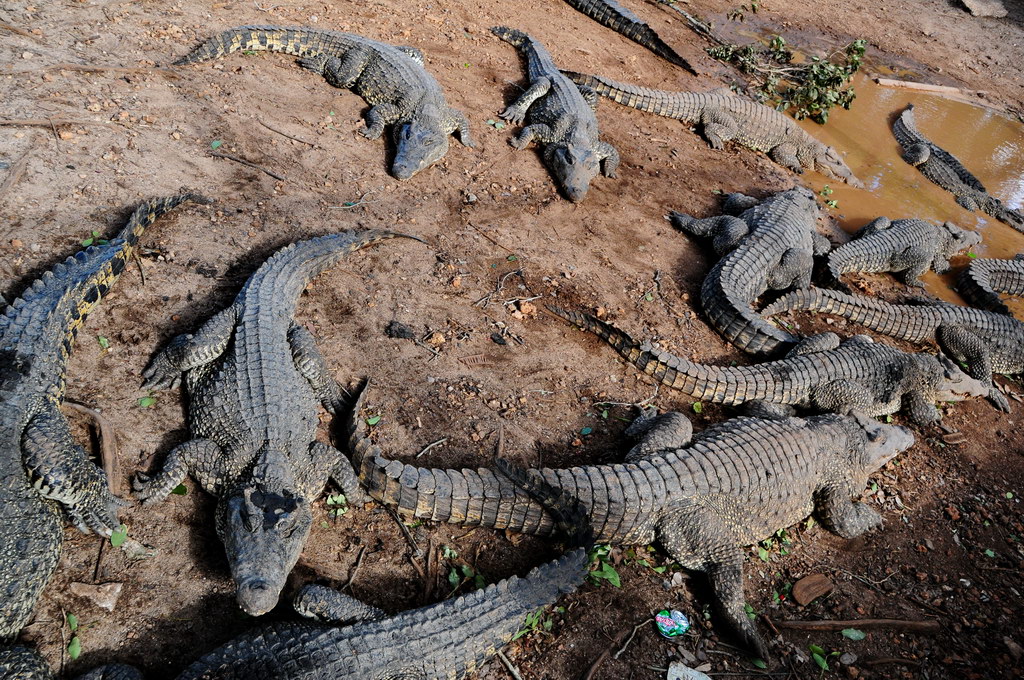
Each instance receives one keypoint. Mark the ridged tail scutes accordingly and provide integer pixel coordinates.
(570, 515)
(295, 41)
(806, 298)
(512, 36)
(150, 211)
(644, 99)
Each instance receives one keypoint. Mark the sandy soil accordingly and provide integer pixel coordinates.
(498, 233)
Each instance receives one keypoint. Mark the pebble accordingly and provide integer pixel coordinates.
(17, 243)
(436, 339)
(848, 658)
(103, 596)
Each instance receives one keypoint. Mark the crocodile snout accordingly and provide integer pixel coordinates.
(255, 596)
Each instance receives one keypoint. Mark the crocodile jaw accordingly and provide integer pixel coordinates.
(574, 167)
(418, 147)
(263, 535)
(884, 443)
(955, 385)
(829, 163)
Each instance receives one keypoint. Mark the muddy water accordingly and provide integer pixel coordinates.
(988, 143)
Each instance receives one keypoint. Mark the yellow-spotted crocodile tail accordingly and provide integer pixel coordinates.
(685, 106)
(300, 42)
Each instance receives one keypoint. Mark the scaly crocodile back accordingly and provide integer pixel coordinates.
(984, 279)
(906, 133)
(301, 42)
(616, 17)
(873, 253)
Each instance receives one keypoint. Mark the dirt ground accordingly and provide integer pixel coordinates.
(498, 234)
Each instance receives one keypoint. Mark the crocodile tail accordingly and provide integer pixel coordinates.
(467, 497)
(984, 279)
(512, 36)
(570, 515)
(659, 102)
(150, 211)
(906, 133)
(296, 41)
(896, 321)
(736, 321)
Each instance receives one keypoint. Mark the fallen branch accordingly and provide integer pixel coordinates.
(50, 122)
(864, 624)
(509, 665)
(605, 653)
(18, 31)
(431, 445)
(285, 134)
(926, 87)
(113, 69)
(630, 638)
(355, 569)
(220, 154)
(108, 442)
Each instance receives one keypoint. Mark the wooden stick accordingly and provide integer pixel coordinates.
(864, 624)
(285, 134)
(219, 154)
(509, 665)
(605, 653)
(113, 69)
(18, 31)
(50, 122)
(108, 442)
(926, 87)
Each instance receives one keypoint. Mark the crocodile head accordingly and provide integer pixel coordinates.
(419, 144)
(263, 531)
(574, 165)
(955, 385)
(828, 162)
(958, 239)
(884, 442)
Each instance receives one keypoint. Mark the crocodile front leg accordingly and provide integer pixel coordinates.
(515, 113)
(379, 117)
(965, 346)
(187, 351)
(842, 515)
(916, 154)
(327, 605)
(196, 456)
(327, 462)
(61, 471)
(310, 363)
(608, 157)
(785, 155)
(457, 122)
(719, 127)
(542, 133)
(920, 410)
(658, 433)
(917, 261)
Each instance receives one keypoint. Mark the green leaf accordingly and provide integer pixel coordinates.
(751, 612)
(820, 660)
(180, 490)
(72, 622)
(854, 634)
(1009, 495)
(118, 537)
(87, 242)
(815, 649)
(511, 258)
(990, 553)
(453, 578)
(762, 553)
(147, 402)
(216, 144)
(607, 572)
(373, 420)
(587, 430)
(698, 407)
(972, 255)
(104, 342)
(448, 553)
(499, 125)
(75, 648)
(759, 663)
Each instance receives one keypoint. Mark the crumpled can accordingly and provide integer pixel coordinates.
(671, 623)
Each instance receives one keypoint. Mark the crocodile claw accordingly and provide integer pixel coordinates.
(999, 400)
(145, 489)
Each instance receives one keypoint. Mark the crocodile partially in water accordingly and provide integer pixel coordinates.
(984, 279)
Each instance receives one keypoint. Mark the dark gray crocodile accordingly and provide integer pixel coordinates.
(943, 168)
(616, 17)
(561, 118)
(986, 342)
(393, 80)
(983, 279)
(44, 469)
(254, 379)
(909, 247)
(769, 246)
(819, 372)
(724, 117)
(702, 500)
(22, 663)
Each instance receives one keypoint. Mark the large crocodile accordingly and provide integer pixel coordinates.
(254, 379)
(819, 372)
(561, 117)
(983, 279)
(44, 469)
(909, 247)
(22, 663)
(734, 484)
(986, 342)
(621, 20)
(393, 80)
(769, 246)
(724, 116)
(943, 168)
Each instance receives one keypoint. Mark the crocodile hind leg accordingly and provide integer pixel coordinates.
(822, 342)
(842, 515)
(736, 203)
(792, 271)
(608, 157)
(917, 261)
(310, 363)
(719, 127)
(343, 71)
(198, 457)
(189, 351)
(767, 410)
(726, 231)
(785, 155)
(875, 226)
(379, 117)
(327, 605)
(458, 122)
(658, 433)
(537, 131)
(842, 396)
(968, 203)
(327, 462)
(965, 346)
(515, 113)
(589, 96)
(916, 154)
(61, 471)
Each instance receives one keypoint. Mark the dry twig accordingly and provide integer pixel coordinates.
(864, 624)
(108, 442)
(220, 154)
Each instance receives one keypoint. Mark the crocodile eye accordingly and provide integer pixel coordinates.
(286, 521)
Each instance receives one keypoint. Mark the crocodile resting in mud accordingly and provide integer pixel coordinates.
(701, 499)
(724, 116)
(261, 461)
(909, 247)
(561, 117)
(391, 79)
(943, 168)
(986, 342)
(856, 375)
(984, 279)
(616, 17)
(345, 639)
(44, 469)
(770, 245)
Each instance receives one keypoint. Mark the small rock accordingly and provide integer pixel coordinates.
(26, 55)
(527, 308)
(397, 329)
(435, 339)
(928, 544)
(953, 513)
(677, 670)
(17, 243)
(954, 438)
(848, 658)
(811, 587)
(852, 672)
(470, 197)
(103, 596)
(498, 340)
(1015, 650)
(977, 8)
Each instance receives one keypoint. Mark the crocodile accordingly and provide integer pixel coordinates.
(260, 459)
(983, 279)
(724, 116)
(943, 168)
(561, 117)
(45, 470)
(392, 80)
(909, 247)
(770, 245)
(616, 17)
(702, 498)
(986, 342)
(22, 663)
(819, 372)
